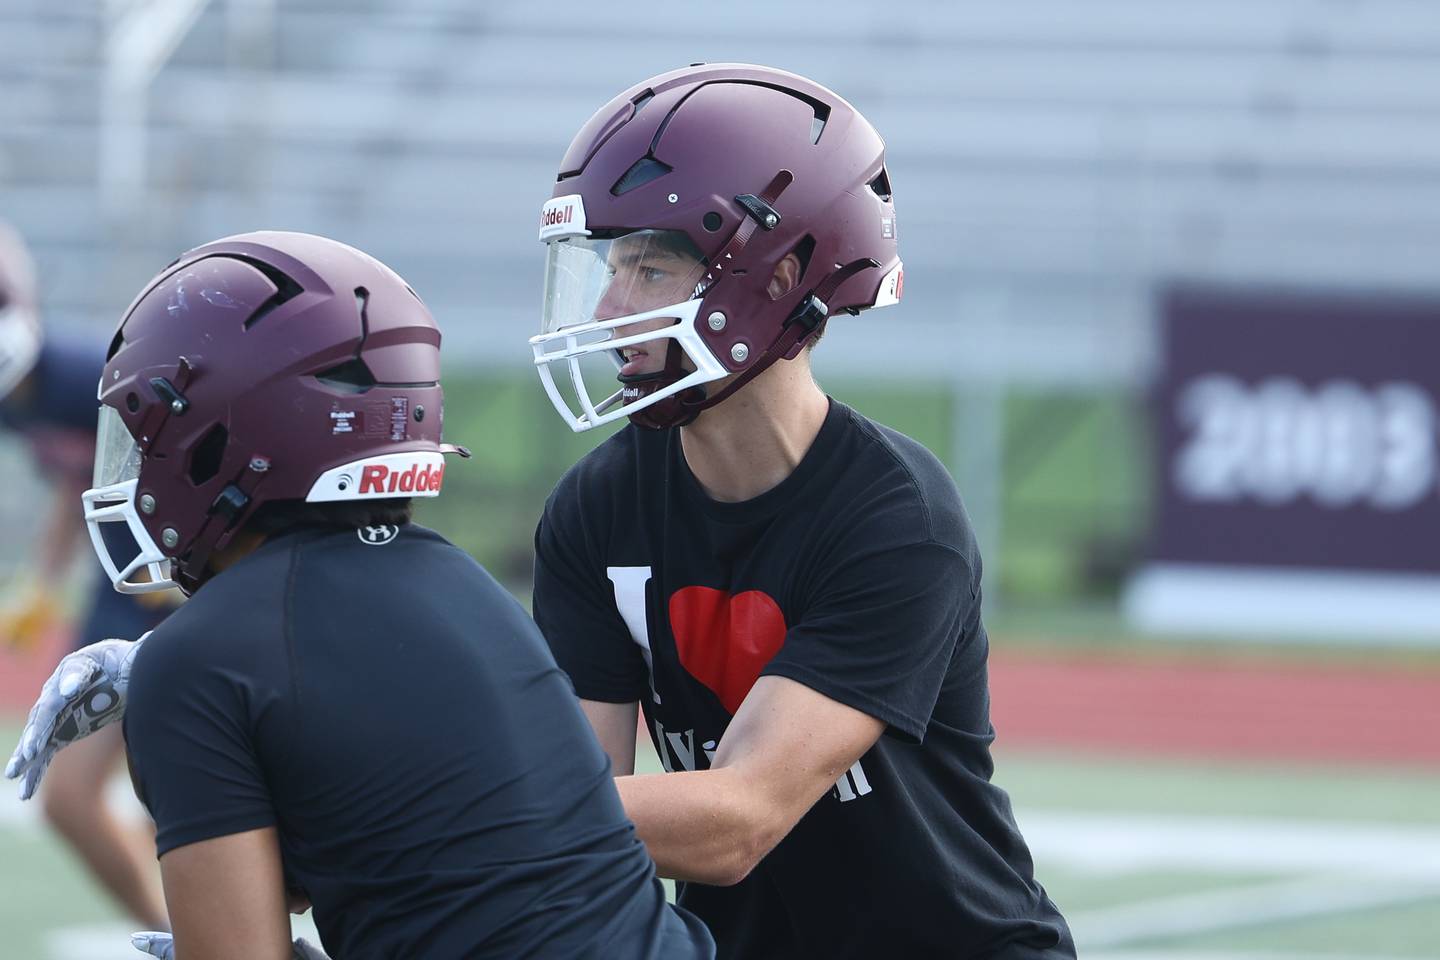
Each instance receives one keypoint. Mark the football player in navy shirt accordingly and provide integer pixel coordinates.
(789, 591)
(47, 398)
(349, 709)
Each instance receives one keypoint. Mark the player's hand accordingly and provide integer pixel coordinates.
(162, 945)
(27, 613)
(85, 693)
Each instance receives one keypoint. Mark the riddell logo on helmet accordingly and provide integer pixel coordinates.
(419, 478)
(563, 217)
(405, 474)
(892, 287)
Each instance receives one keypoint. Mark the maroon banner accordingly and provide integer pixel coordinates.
(1298, 429)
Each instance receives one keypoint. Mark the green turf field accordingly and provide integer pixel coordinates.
(1149, 859)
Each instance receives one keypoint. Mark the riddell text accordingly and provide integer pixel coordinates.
(377, 478)
(557, 215)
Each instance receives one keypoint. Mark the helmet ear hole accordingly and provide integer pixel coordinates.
(880, 186)
(803, 251)
(209, 454)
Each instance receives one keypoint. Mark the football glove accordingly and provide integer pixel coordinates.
(85, 693)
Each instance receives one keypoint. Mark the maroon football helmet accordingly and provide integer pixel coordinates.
(674, 207)
(260, 367)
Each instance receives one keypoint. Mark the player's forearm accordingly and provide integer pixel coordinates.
(702, 826)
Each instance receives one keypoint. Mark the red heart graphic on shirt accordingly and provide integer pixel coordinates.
(725, 640)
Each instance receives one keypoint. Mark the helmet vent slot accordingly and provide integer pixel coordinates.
(116, 342)
(208, 454)
(352, 376)
(285, 289)
(880, 186)
(641, 172)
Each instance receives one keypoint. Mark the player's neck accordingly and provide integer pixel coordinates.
(245, 542)
(752, 441)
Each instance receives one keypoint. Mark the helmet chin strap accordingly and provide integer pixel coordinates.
(221, 523)
(666, 413)
(682, 409)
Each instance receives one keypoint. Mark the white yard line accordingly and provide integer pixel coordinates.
(1131, 843)
(1241, 906)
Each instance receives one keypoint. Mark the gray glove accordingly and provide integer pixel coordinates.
(85, 693)
(162, 945)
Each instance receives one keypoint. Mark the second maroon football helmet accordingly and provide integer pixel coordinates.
(675, 205)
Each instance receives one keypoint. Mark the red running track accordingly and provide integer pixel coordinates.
(1193, 705)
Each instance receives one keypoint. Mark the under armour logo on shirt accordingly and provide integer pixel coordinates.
(378, 536)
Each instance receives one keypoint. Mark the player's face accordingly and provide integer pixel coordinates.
(644, 276)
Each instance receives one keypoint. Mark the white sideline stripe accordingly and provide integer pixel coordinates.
(1131, 843)
(1181, 954)
(1236, 907)
(15, 812)
(1243, 601)
(96, 941)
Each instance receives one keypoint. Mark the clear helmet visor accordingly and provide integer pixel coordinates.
(612, 309)
(117, 455)
(126, 550)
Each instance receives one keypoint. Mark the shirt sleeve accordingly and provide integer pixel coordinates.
(574, 604)
(880, 633)
(190, 736)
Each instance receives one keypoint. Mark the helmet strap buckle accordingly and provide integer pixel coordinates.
(810, 313)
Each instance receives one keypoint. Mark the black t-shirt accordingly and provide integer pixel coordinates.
(857, 576)
(379, 699)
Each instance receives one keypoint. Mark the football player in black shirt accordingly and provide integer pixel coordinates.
(349, 708)
(789, 591)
